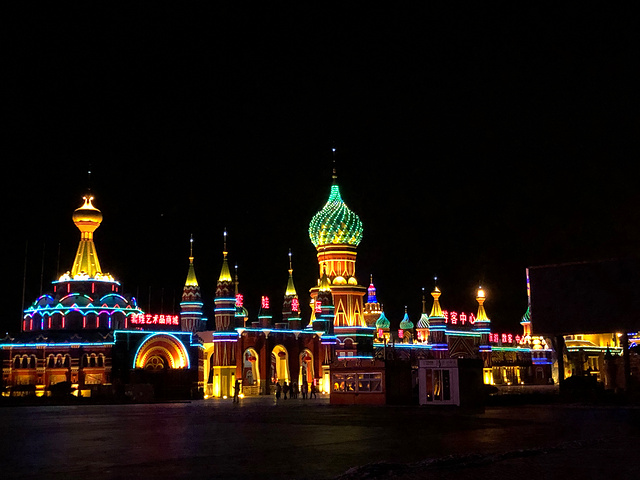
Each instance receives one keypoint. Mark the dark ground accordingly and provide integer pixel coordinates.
(314, 440)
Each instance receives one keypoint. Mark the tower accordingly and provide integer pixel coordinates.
(483, 327)
(372, 309)
(291, 303)
(437, 322)
(422, 327)
(87, 218)
(191, 319)
(405, 331)
(225, 300)
(336, 232)
(324, 318)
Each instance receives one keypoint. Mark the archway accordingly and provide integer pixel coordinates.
(306, 367)
(250, 368)
(161, 346)
(279, 365)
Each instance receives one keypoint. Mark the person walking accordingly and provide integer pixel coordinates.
(278, 390)
(236, 391)
(313, 391)
(285, 390)
(305, 389)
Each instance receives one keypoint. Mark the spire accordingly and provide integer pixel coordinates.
(334, 175)
(225, 301)
(291, 289)
(191, 319)
(225, 274)
(371, 292)
(87, 218)
(192, 281)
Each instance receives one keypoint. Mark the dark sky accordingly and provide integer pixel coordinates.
(472, 143)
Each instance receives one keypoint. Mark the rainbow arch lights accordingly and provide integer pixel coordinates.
(164, 345)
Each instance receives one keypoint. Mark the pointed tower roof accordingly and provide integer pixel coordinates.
(87, 218)
(192, 281)
(291, 289)
(436, 311)
(225, 273)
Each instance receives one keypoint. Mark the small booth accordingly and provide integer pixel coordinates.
(450, 381)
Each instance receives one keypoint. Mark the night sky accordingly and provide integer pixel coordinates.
(472, 143)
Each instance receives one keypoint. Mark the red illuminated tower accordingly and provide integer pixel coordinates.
(225, 300)
(191, 319)
(336, 232)
(291, 304)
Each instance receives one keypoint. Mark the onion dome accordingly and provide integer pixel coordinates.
(383, 322)
(423, 323)
(87, 218)
(406, 324)
(335, 223)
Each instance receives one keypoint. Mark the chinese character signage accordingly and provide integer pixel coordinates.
(149, 321)
(459, 320)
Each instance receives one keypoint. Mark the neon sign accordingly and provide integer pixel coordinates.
(503, 338)
(295, 305)
(318, 306)
(264, 302)
(151, 319)
(239, 300)
(455, 318)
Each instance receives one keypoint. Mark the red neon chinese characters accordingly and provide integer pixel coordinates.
(295, 305)
(264, 302)
(150, 319)
(239, 300)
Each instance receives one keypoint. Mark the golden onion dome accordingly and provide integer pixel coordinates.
(87, 217)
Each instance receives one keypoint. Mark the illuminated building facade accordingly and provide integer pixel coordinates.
(87, 334)
(347, 347)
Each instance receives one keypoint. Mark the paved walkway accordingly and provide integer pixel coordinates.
(310, 439)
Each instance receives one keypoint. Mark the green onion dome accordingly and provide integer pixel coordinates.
(335, 223)
(382, 322)
(406, 324)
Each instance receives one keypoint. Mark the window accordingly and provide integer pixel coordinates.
(357, 382)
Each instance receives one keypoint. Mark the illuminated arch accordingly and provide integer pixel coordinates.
(164, 345)
(306, 367)
(280, 364)
(250, 368)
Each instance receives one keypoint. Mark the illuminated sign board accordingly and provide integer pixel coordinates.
(155, 320)
(504, 338)
(458, 319)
